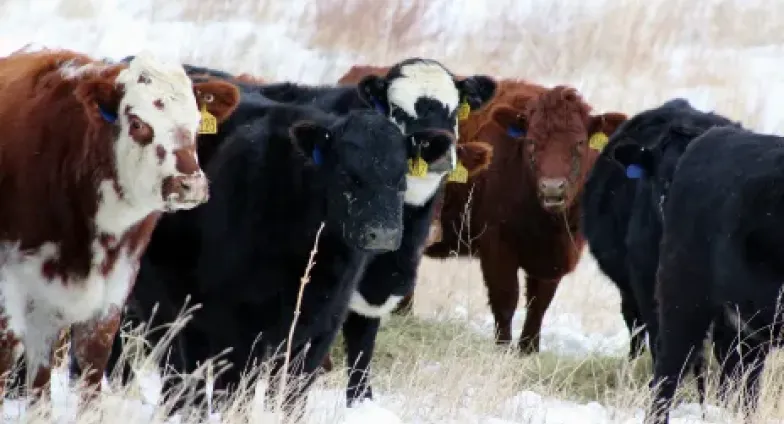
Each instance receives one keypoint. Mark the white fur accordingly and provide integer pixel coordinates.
(361, 306)
(37, 308)
(424, 80)
(138, 170)
(421, 189)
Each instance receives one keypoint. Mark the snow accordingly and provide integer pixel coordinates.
(279, 40)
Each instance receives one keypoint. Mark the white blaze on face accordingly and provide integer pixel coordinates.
(424, 80)
(161, 96)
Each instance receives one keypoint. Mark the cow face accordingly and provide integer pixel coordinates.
(361, 160)
(155, 114)
(556, 127)
(421, 94)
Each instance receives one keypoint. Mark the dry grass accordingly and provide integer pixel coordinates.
(623, 55)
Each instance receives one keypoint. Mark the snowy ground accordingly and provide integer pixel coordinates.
(625, 55)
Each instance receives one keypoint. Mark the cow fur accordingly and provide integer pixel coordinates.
(538, 134)
(622, 216)
(720, 262)
(76, 215)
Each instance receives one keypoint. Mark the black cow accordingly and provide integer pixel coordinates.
(416, 94)
(622, 215)
(722, 254)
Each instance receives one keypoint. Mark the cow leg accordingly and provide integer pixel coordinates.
(499, 269)
(40, 343)
(683, 330)
(8, 345)
(635, 324)
(540, 294)
(740, 361)
(92, 343)
(360, 336)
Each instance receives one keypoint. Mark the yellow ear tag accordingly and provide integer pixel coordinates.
(208, 124)
(598, 141)
(463, 110)
(459, 175)
(417, 167)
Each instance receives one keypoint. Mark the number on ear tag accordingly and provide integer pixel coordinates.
(208, 124)
(417, 167)
(459, 175)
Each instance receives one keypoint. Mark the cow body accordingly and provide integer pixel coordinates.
(720, 259)
(76, 217)
(524, 208)
(622, 217)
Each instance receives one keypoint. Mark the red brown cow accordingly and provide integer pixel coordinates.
(91, 155)
(525, 209)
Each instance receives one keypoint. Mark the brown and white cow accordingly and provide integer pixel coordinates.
(91, 155)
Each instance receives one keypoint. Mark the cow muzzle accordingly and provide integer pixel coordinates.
(381, 239)
(552, 192)
(185, 191)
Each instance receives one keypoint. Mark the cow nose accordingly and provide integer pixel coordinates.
(552, 187)
(186, 191)
(382, 239)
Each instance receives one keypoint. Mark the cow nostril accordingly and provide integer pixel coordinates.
(372, 236)
(561, 185)
(185, 185)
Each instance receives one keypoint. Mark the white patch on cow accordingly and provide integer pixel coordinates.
(419, 190)
(37, 308)
(361, 306)
(140, 172)
(422, 79)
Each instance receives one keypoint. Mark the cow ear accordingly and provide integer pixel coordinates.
(219, 97)
(636, 160)
(477, 90)
(601, 127)
(511, 120)
(101, 98)
(476, 156)
(373, 91)
(311, 139)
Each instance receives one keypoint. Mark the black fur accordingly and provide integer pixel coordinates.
(722, 256)
(394, 273)
(622, 216)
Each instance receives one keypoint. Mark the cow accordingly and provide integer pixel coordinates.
(720, 261)
(621, 214)
(91, 156)
(525, 208)
(279, 173)
(219, 99)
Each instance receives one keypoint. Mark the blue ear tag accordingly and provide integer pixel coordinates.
(107, 116)
(515, 132)
(634, 172)
(317, 156)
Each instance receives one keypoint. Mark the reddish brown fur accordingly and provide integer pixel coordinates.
(225, 97)
(509, 226)
(48, 187)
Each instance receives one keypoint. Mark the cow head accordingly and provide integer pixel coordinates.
(420, 94)
(361, 161)
(561, 140)
(154, 115)
(649, 146)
